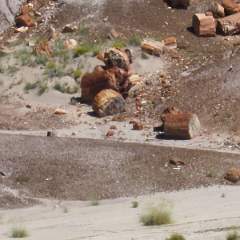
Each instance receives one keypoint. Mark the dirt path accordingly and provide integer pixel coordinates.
(198, 214)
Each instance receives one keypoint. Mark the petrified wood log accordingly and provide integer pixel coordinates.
(180, 125)
(229, 25)
(108, 102)
(203, 25)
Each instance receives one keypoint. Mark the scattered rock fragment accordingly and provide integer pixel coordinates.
(204, 26)
(233, 175)
(24, 21)
(42, 48)
(110, 133)
(60, 111)
(229, 25)
(70, 43)
(137, 125)
(108, 102)
(69, 28)
(217, 10)
(180, 125)
(170, 42)
(21, 29)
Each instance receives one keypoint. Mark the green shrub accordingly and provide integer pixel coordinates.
(41, 59)
(82, 49)
(54, 70)
(42, 87)
(135, 40)
(19, 233)
(233, 236)
(30, 86)
(25, 56)
(119, 43)
(176, 236)
(77, 73)
(157, 216)
(135, 204)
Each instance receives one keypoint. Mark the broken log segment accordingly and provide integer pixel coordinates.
(204, 26)
(152, 47)
(181, 125)
(230, 7)
(229, 25)
(108, 102)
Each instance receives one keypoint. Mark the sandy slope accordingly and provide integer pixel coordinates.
(198, 214)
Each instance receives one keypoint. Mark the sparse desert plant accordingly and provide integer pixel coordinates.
(158, 215)
(22, 179)
(83, 30)
(135, 40)
(77, 73)
(83, 48)
(12, 70)
(54, 70)
(30, 86)
(19, 232)
(65, 88)
(119, 43)
(135, 204)
(233, 236)
(42, 87)
(94, 202)
(41, 59)
(176, 236)
(25, 56)
(145, 56)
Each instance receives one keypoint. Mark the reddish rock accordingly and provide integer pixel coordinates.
(24, 21)
(137, 125)
(110, 133)
(229, 25)
(233, 175)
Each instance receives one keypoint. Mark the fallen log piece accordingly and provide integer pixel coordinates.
(114, 57)
(230, 7)
(180, 125)
(204, 26)
(229, 25)
(108, 102)
(153, 47)
(92, 83)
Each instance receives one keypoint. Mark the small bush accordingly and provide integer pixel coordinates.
(83, 30)
(30, 86)
(157, 216)
(54, 70)
(19, 233)
(233, 236)
(12, 70)
(77, 73)
(25, 57)
(83, 49)
(42, 87)
(135, 40)
(65, 88)
(119, 43)
(135, 204)
(176, 236)
(41, 59)
(145, 56)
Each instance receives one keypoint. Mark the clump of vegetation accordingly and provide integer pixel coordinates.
(65, 88)
(119, 43)
(22, 179)
(42, 87)
(94, 202)
(12, 70)
(77, 73)
(135, 40)
(41, 59)
(83, 48)
(19, 233)
(144, 56)
(25, 56)
(176, 236)
(54, 70)
(135, 204)
(83, 30)
(233, 236)
(157, 216)
(30, 86)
